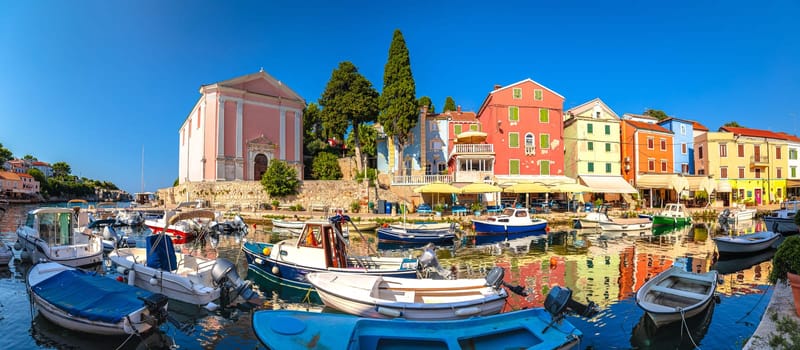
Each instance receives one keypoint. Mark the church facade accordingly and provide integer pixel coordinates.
(238, 127)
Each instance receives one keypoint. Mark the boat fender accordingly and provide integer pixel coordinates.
(211, 306)
(276, 271)
(17, 245)
(469, 311)
(266, 251)
(389, 312)
(131, 277)
(122, 270)
(153, 281)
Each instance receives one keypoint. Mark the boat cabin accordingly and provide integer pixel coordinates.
(511, 214)
(53, 225)
(326, 239)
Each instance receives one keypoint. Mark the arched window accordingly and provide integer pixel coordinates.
(530, 144)
(260, 166)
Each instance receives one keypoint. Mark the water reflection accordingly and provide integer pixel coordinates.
(646, 335)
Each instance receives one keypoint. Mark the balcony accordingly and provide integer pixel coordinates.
(415, 180)
(472, 176)
(760, 161)
(468, 148)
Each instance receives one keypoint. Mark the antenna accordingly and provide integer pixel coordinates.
(142, 168)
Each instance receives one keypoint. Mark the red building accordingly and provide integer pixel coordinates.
(524, 123)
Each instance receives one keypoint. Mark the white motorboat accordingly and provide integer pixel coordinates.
(632, 224)
(782, 220)
(289, 225)
(676, 294)
(87, 302)
(595, 217)
(736, 215)
(129, 217)
(51, 234)
(183, 277)
(748, 243)
(411, 299)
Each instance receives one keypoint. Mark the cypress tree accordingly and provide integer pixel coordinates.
(449, 104)
(398, 102)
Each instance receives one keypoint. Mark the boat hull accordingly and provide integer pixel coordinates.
(392, 235)
(781, 225)
(490, 232)
(675, 294)
(659, 220)
(744, 244)
(639, 225)
(75, 255)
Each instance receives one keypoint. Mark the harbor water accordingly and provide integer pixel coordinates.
(602, 267)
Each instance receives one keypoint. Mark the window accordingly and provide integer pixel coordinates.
(591, 167)
(741, 172)
(723, 172)
(701, 172)
(700, 152)
(758, 173)
(517, 93)
(544, 167)
(442, 168)
(778, 152)
(684, 168)
(428, 169)
(793, 172)
(530, 144)
(608, 147)
(740, 149)
(473, 127)
(608, 168)
(544, 141)
(513, 166)
(663, 143)
(723, 150)
(513, 140)
(608, 129)
(537, 95)
(651, 164)
(590, 144)
(683, 129)
(779, 192)
(663, 166)
(741, 193)
(436, 145)
(513, 114)
(793, 153)
(779, 172)
(434, 126)
(651, 143)
(683, 148)
(457, 129)
(544, 115)
(589, 128)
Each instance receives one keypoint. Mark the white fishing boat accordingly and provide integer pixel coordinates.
(748, 243)
(594, 218)
(87, 302)
(737, 214)
(676, 294)
(632, 224)
(412, 299)
(782, 220)
(52, 234)
(180, 276)
(289, 225)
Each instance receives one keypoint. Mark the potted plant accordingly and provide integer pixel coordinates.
(438, 209)
(786, 267)
(476, 208)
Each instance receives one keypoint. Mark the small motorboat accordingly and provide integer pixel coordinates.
(674, 214)
(736, 215)
(411, 299)
(52, 234)
(111, 239)
(399, 235)
(422, 227)
(676, 294)
(782, 220)
(512, 223)
(593, 218)
(87, 302)
(633, 224)
(288, 225)
(748, 243)
(534, 328)
(181, 227)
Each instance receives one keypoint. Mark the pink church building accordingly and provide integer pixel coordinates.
(238, 127)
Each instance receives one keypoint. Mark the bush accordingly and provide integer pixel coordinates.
(326, 167)
(280, 179)
(275, 204)
(438, 208)
(355, 206)
(786, 259)
(475, 206)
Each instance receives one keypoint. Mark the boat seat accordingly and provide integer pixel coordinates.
(694, 278)
(678, 292)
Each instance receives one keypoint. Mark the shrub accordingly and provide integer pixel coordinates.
(786, 259)
(475, 206)
(355, 206)
(326, 167)
(280, 179)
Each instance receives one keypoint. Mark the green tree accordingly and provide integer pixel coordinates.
(312, 126)
(38, 175)
(326, 167)
(426, 101)
(658, 114)
(176, 182)
(733, 124)
(61, 169)
(280, 179)
(368, 140)
(398, 102)
(29, 157)
(449, 104)
(5, 154)
(348, 100)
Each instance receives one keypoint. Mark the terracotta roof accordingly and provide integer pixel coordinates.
(754, 132)
(698, 126)
(647, 126)
(38, 163)
(25, 175)
(790, 137)
(9, 175)
(460, 116)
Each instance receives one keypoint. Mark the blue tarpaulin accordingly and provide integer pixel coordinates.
(90, 296)
(161, 253)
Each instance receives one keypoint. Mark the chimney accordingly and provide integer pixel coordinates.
(497, 87)
(458, 109)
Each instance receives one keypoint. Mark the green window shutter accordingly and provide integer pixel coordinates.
(513, 113)
(608, 168)
(544, 115)
(591, 167)
(591, 146)
(589, 128)
(608, 147)
(513, 167)
(544, 141)
(517, 93)
(608, 129)
(473, 127)
(513, 140)
(537, 95)
(457, 129)
(544, 168)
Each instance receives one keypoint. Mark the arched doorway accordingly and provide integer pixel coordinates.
(260, 166)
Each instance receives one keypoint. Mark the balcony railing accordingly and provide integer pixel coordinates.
(472, 176)
(410, 180)
(759, 161)
(473, 148)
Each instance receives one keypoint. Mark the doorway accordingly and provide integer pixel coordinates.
(260, 166)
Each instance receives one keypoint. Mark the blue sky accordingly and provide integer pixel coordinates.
(91, 83)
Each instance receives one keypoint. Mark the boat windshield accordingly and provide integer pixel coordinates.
(508, 211)
(55, 228)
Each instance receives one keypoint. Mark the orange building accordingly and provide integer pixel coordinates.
(646, 149)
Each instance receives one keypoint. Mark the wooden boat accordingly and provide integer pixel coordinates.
(398, 235)
(319, 248)
(411, 299)
(278, 223)
(674, 214)
(524, 329)
(87, 302)
(748, 243)
(181, 227)
(422, 227)
(52, 234)
(183, 277)
(633, 224)
(782, 220)
(676, 294)
(512, 223)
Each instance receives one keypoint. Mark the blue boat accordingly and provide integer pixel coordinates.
(400, 235)
(319, 248)
(512, 223)
(538, 328)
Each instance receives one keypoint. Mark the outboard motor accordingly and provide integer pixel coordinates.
(224, 274)
(494, 279)
(428, 264)
(156, 303)
(238, 225)
(559, 301)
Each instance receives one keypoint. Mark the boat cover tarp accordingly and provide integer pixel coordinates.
(89, 296)
(161, 253)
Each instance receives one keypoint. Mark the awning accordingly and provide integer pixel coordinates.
(655, 181)
(700, 183)
(792, 183)
(723, 186)
(545, 180)
(606, 184)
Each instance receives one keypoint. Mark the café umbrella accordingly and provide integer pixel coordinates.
(437, 187)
